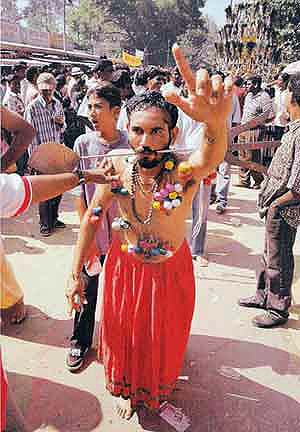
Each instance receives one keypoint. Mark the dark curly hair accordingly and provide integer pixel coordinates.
(153, 100)
(294, 88)
(108, 92)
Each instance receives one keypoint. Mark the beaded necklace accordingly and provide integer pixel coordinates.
(137, 182)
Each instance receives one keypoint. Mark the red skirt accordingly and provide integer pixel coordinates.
(146, 316)
(4, 391)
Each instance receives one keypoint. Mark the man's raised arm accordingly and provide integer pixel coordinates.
(209, 101)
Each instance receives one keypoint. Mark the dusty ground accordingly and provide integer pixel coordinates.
(235, 378)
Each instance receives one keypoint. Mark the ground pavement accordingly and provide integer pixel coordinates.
(235, 378)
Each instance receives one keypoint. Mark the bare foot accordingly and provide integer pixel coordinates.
(17, 312)
(123, 408)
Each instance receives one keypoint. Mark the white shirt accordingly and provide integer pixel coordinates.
(170, 87)
(13, 102)
(31, 93)
(235, 116)
(24, 86)
(280, 108)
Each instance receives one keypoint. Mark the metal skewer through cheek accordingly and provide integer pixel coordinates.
(132, 153)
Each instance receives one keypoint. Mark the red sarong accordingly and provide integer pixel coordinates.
(146, 316)
(3, 381)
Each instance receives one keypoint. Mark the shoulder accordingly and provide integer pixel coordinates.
(57, 103)
(84, 140)
(33, 104)
(296, 136)
(265, 96)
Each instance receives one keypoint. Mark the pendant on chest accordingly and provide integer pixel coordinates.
(149, 247)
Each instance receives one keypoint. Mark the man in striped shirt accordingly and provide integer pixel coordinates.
(45, 114)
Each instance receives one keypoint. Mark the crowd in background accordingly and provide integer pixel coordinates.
(61, 104)
(252, 98)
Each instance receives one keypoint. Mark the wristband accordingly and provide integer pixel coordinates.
(80, 175)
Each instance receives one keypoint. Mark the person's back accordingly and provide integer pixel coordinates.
(75, 125)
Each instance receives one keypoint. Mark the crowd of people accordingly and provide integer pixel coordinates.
(132, 225)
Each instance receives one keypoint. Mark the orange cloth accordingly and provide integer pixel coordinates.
(10, 290)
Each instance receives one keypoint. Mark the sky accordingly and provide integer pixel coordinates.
(215, 9)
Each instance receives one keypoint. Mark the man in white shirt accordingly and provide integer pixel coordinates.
(175, 84)
(12, 99)
(280, 106)
(257, 103)
(72, 90)
(20, 70)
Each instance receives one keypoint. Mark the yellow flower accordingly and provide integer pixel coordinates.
(156, 205)
(169, 165)
(173, 195)
(185, 168)
(124, 247)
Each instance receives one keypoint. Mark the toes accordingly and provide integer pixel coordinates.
(17, 319)
(119, 411)
(128, 414)
(18, 313)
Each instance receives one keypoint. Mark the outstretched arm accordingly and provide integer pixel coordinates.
(251, 124)
(209, 101)
(45, 187)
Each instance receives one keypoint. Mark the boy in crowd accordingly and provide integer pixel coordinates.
(104, 104)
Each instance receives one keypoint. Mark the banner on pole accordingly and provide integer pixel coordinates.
(131, 60)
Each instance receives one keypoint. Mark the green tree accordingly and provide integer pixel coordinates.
(199, 46)
(44, 15)
(85, 24)
(9, 11)
(153, 25)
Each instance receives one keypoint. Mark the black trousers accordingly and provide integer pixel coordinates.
(48, 211)
(278, 132)
(275, 275)
(22, 164)
(84, 321)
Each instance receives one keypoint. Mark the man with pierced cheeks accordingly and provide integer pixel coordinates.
(148, 285)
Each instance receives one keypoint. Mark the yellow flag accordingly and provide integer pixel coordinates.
(131, 60)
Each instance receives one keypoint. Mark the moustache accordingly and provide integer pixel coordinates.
(149, 164)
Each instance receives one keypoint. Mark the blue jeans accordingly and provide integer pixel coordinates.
(199, 215)
(223, 183)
